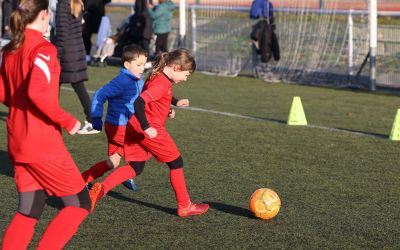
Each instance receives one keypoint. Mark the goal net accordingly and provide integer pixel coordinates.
(321, 41)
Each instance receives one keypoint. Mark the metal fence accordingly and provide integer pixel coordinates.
(322, 52)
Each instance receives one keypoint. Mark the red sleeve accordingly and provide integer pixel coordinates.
(43, 87)
(155, 91)
(3, 87)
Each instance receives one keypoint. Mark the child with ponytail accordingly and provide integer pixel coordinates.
(146, 135)
(29, 86)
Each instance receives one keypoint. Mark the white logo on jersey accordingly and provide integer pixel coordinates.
(43, 66)
(47, 58)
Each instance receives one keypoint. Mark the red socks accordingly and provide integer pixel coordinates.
(178, 184)
(62, 228)
(95, 171)
(118, 176)
(19, 232)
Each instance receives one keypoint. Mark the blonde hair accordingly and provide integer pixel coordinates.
(76, 7)
(181, 57)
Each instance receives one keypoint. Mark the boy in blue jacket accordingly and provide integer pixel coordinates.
(120, 93)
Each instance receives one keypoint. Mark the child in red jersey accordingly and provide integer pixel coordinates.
(147, 136)
(29, 86)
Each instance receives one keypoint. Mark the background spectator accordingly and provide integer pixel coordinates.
(94, 11)
(162, 15)
(71, 52)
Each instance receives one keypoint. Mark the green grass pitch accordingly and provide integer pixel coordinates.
(340, 189)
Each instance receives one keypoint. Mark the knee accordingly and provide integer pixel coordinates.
(31, 204)
(176, 164)
(113, 162)
(138, 166)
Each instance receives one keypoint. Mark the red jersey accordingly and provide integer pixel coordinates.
(157, 95)
(29, 86)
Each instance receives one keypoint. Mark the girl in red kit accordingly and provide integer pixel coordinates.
(29, 86)
(146, 135)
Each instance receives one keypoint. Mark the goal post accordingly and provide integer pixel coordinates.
(373, 43)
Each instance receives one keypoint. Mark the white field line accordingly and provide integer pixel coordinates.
(356, 133)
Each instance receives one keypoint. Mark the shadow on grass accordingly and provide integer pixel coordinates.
(6, 167)
(119, 196)
(374, 135)
(229, 209)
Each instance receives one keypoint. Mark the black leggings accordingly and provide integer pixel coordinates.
(161, 43)
(84, 98)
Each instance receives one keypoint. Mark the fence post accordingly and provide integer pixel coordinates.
(321, 4)
(194, 30)
(351, 45)
(373, 29)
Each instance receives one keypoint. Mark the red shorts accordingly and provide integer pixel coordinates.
(115, 136)
(59, 177)
(139, 147)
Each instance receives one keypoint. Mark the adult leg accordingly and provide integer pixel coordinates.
(87, 35)
(84, 98)
(22, 227)
(67, 221)
(164, 42)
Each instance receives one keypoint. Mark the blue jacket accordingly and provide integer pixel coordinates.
(162, 15)
(261, 8)
(120, 93)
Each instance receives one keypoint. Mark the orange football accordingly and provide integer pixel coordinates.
(265, 203)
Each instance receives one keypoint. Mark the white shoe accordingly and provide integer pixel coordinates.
(87, 129)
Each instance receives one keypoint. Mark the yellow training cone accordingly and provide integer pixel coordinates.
(395, 133)
(296, 114)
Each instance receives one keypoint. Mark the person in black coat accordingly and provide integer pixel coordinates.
(7, 7)
(93, 12)
(71, 53)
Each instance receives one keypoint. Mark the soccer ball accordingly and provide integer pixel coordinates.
(265, 203)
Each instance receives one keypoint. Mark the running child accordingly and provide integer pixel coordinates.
(147, 136)
(29, 86)
(120, 93)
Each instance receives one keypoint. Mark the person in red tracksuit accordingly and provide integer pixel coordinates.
(147, 136)
(29, 86)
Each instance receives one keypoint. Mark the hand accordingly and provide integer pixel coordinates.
(171, 114)
(183, 103)
(75, 128)
(151, 132)
(97, 123)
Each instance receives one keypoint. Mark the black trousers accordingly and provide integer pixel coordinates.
(161, 43)
(84, 99)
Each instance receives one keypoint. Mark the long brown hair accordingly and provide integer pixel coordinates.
(76, 7)
(181, 57)
(26, 12)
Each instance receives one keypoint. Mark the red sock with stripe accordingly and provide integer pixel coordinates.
(19, 232)
(95, 171)
(62, 228)
(178, 183)
(118, 176)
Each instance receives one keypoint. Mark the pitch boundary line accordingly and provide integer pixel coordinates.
(356, 133)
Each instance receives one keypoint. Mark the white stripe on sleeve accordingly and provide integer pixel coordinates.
(43, 66)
